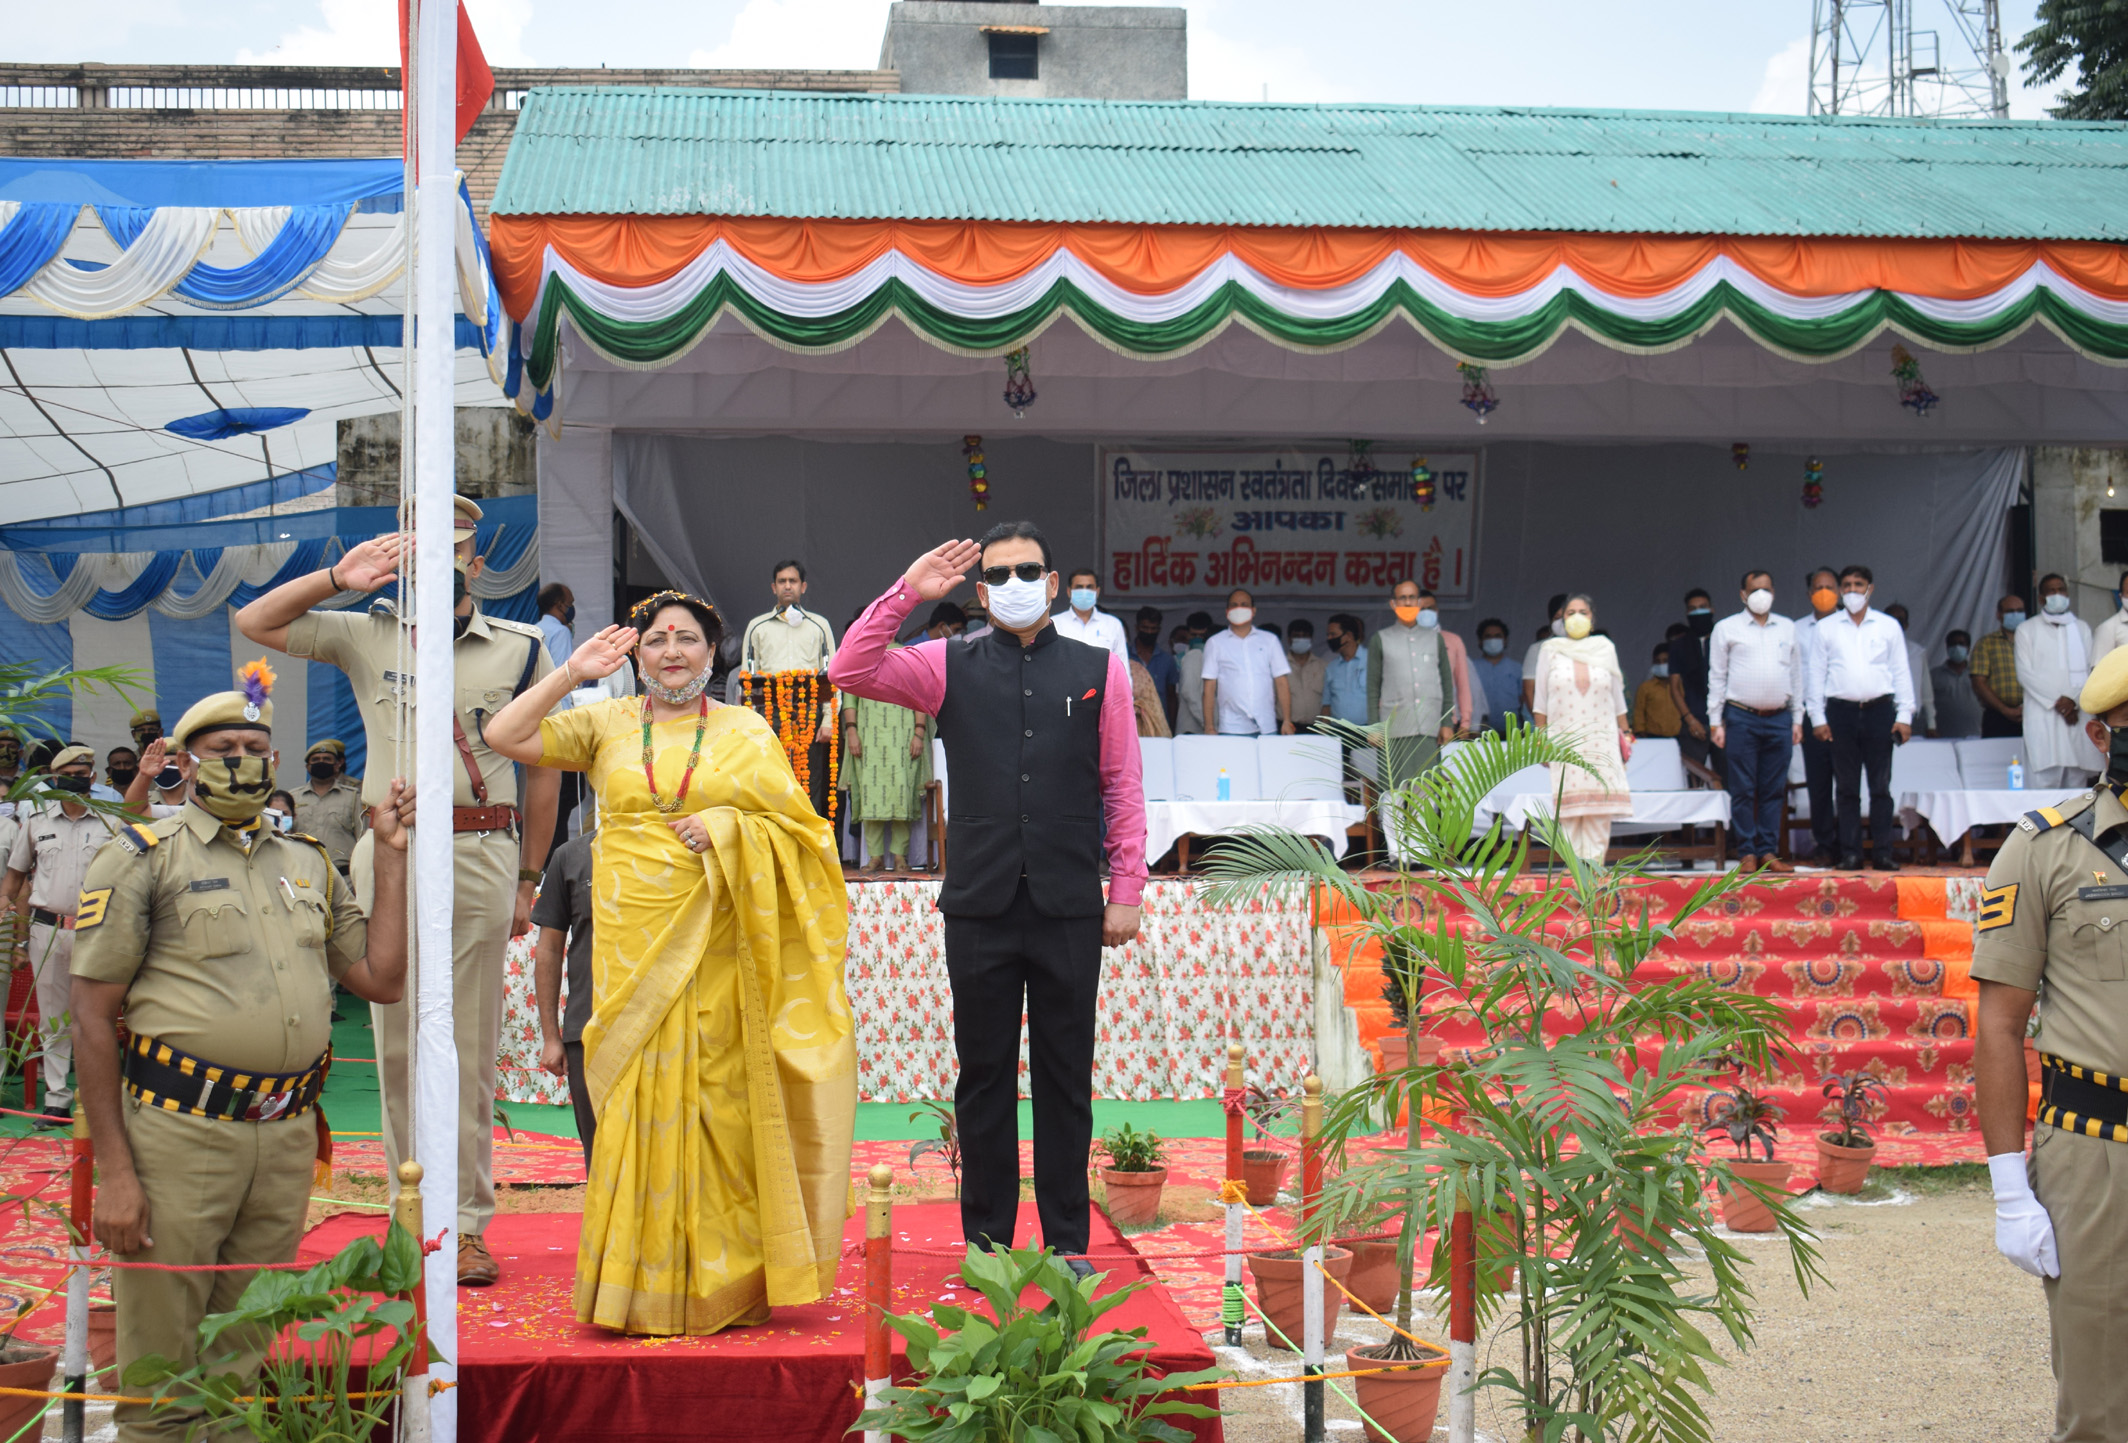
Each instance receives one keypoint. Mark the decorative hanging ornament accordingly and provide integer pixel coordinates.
(978, 473)
(1914, 392)
(1422, 487)
(1477, 391)
(1740, 452)
(1360, 461)
(1019, 382)
(1813, 483)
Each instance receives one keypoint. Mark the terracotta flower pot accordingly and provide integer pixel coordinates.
(1133, 1197)
(1742, 1210)
(1373, 1279)
(1403, 1403)
(1843, 1169)
(1396, 1051)
(1263, 1169)
(103, 1337)
(24, 1365)
(1278, 1292)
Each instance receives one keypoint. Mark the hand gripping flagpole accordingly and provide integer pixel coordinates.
(435, 1054)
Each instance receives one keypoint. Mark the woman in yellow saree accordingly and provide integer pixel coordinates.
(720, 1055)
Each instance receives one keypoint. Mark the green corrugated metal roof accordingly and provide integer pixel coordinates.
(662, 151)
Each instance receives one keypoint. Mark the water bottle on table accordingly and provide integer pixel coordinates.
(2017, 775)
(1226, 787)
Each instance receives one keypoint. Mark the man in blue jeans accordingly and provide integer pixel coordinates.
(1755, 704)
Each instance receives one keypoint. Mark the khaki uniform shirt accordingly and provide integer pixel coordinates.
(336, 819)
(773, 644)
(55, 850)
(1305, 684)
(2055, 910)
(490, 660)
(228, 944)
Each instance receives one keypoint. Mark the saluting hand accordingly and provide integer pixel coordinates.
(153, 760)
(602, 655)
(942, 568)
(373, 564)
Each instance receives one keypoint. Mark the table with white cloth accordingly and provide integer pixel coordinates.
(1951, 814)
(1652, 811)
(1166, 822)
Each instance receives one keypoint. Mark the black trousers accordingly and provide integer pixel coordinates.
(1862, 737)
(1994, 724)
(1817, 775)
(580, 1097)
(1052, 967)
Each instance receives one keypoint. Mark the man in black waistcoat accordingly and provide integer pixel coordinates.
(1041, 749)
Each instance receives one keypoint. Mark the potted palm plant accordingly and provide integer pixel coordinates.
(1844, 1154)
(1748, 1117)
(1568, 1099)
(1133, 1176)
(1263, 1168)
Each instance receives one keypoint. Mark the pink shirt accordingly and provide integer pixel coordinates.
(1459, 667)
(915, 677)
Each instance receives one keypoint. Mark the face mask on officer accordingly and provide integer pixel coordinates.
(323, 768)
(2116, 755)
(79, 786)
(234, 789)
(122, 777)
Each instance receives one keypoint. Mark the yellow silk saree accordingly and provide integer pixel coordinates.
(720, 1055)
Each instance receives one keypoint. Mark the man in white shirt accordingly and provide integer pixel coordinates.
(2112, 633)
(1245, 688)
(1824, 590)
(1918, 668)
(1081, 621)
(1861, 698)
(2054, 655)
(1755, 712)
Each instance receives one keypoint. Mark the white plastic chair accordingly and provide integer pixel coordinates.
(1985, 764)
(1156, 756)
(1299, 768)
(1197, 763)
(1657, 765)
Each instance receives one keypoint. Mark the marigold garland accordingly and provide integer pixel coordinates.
(791, 703)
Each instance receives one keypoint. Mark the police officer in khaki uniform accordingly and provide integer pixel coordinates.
(499, 851)
(330, 806)
(50, 856)
(146, 726)
(219, 939)
(2053, 928)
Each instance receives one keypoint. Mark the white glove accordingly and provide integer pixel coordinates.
(2023, 1232)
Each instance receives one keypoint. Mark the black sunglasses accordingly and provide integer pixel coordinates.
(1026, 571)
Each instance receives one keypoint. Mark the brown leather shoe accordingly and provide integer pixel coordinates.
(1747, 862)
(476, 1265)
(1776, 865)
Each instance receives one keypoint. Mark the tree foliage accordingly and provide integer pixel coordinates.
(2092, 37)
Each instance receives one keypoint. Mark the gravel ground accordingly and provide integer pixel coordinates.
(1923, 1327)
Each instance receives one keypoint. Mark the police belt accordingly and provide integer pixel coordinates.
(469, 819)
(52, 919)
(174, 1080)
(2078, 1099)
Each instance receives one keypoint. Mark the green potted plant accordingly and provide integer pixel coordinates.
(1568, 1097)
(1134, 1175)
(351, 1307)
(1263, 1169)
(1031, 1373)
(23, 1365)
(1844, 1154)
(946, 1146)
(1748, 1117)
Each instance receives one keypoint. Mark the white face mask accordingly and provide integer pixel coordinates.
(1760, 601)
(1854, 601)
(794, 615)
(1558, 627)
(1301, 645)
(1429, 617)
(1019, 603)
(1239, 616)
(2056, 604)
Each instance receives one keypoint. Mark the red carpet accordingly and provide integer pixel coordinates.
(530, 1373)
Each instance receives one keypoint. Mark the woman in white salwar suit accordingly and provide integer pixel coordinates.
(1581, 698)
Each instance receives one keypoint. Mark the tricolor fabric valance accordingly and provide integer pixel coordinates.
(642, 289)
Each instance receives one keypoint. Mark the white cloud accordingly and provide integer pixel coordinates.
(1785, 87)
(800, 35)
(365, 32)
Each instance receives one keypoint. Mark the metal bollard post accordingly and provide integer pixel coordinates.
(74, 1360)
(1231, 1308)
(879, 1291)
(1462, 1325)
(414, 1398)
(1311, 1269)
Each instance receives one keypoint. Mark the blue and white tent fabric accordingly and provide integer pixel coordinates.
(169, 328)
(153, 588)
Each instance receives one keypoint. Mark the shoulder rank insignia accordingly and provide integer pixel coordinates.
(1998, 907)
(90, 912)
(136, 839)
(2045, 819)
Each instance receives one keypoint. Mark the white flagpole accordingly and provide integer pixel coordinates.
(435, 1062)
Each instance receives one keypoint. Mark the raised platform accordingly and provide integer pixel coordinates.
(530, 1373)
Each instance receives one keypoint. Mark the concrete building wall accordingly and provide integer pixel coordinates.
(1095, 52)
(497, 456)
(2068, 493)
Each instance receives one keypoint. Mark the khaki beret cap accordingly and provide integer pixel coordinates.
(2107, 686)
(69, 755)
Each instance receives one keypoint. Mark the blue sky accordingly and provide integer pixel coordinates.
(1657, 54)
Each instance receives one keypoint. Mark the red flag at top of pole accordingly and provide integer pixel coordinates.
(476, 82)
